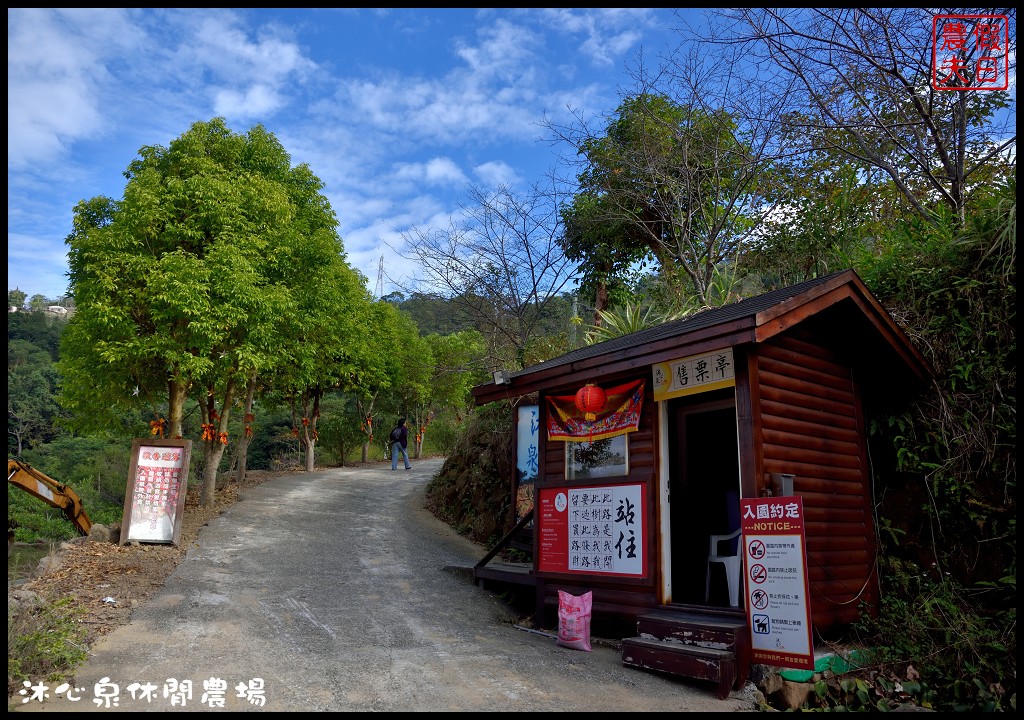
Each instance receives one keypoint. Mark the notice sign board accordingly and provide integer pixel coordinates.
(775, 580)
(594, 530)
(154, 500)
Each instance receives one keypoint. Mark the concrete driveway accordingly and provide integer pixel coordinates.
(328, 591)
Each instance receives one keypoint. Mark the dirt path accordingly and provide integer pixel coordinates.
(332, 591)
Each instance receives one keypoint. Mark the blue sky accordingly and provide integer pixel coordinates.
(398, 111)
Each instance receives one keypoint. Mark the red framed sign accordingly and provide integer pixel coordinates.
(592, 530)
(970, 52)
(154, 499)
(775, 581)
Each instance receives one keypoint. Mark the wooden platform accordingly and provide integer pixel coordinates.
(707, 644)
(512, 574)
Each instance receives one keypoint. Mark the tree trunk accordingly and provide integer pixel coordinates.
(243, 448)
(177, 394)
(600, 302)
(310, 443)
(243, 442)
(367, 412)
(214, 448)
(213, 453)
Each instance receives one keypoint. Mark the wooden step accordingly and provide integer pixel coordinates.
(689, 626)
(712, 629)
(682, 659)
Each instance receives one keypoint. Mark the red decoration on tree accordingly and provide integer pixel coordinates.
(590, 399)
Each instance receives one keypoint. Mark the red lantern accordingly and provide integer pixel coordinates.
(590, 400)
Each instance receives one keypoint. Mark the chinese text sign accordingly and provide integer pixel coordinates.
(775, 581)
(690, 375)
(527, 457)
(155, 494)
(970, 52)
(597, 530)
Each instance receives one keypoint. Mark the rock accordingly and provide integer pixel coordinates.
(17, 599)
(771, 683)
(48, 564)
(100, 533)
(794, 694)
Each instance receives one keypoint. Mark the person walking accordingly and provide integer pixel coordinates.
(400, 444)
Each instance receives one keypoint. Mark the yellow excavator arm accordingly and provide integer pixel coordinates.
(50, 492)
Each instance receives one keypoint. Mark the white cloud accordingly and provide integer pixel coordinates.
(504, 49)
(496, 173)
(395, 136)
(254, 76)
(56, 77)
(608, 33)
(257, 100)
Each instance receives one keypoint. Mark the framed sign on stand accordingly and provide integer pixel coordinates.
(154, 499)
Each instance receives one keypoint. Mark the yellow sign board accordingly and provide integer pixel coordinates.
(695, 374)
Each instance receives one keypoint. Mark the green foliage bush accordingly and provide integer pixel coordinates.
(45, 641)
(948, 563)
(442, 435)
(471, 491)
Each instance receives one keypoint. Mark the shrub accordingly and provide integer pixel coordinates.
(45, 641)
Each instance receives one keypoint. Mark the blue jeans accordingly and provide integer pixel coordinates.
(395, 449)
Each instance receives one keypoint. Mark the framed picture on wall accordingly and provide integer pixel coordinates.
(608, 457)
(154, 499)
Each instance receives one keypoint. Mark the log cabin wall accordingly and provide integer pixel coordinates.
(617, 601)
(810, 424)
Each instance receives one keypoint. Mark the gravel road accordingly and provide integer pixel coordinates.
(333, 591)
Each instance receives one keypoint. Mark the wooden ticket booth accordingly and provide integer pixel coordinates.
(765, 396)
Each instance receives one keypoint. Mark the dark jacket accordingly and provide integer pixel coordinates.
(403, 435)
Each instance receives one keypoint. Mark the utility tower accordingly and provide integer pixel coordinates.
(380, 279)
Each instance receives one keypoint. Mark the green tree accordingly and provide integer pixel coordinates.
(327, 347)
(674, 180)
(947, 465)
(16, 298)
(42, 330)
(31, 387)
(38, 303)
(180, 287)
(455, 366)
(600, 242)
(390, 336)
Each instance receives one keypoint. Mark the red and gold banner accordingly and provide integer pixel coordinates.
(621, 414)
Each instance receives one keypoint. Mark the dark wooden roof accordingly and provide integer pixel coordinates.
(838, 307)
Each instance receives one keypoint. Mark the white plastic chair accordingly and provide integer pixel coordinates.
(725, 549)
(732, 564)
